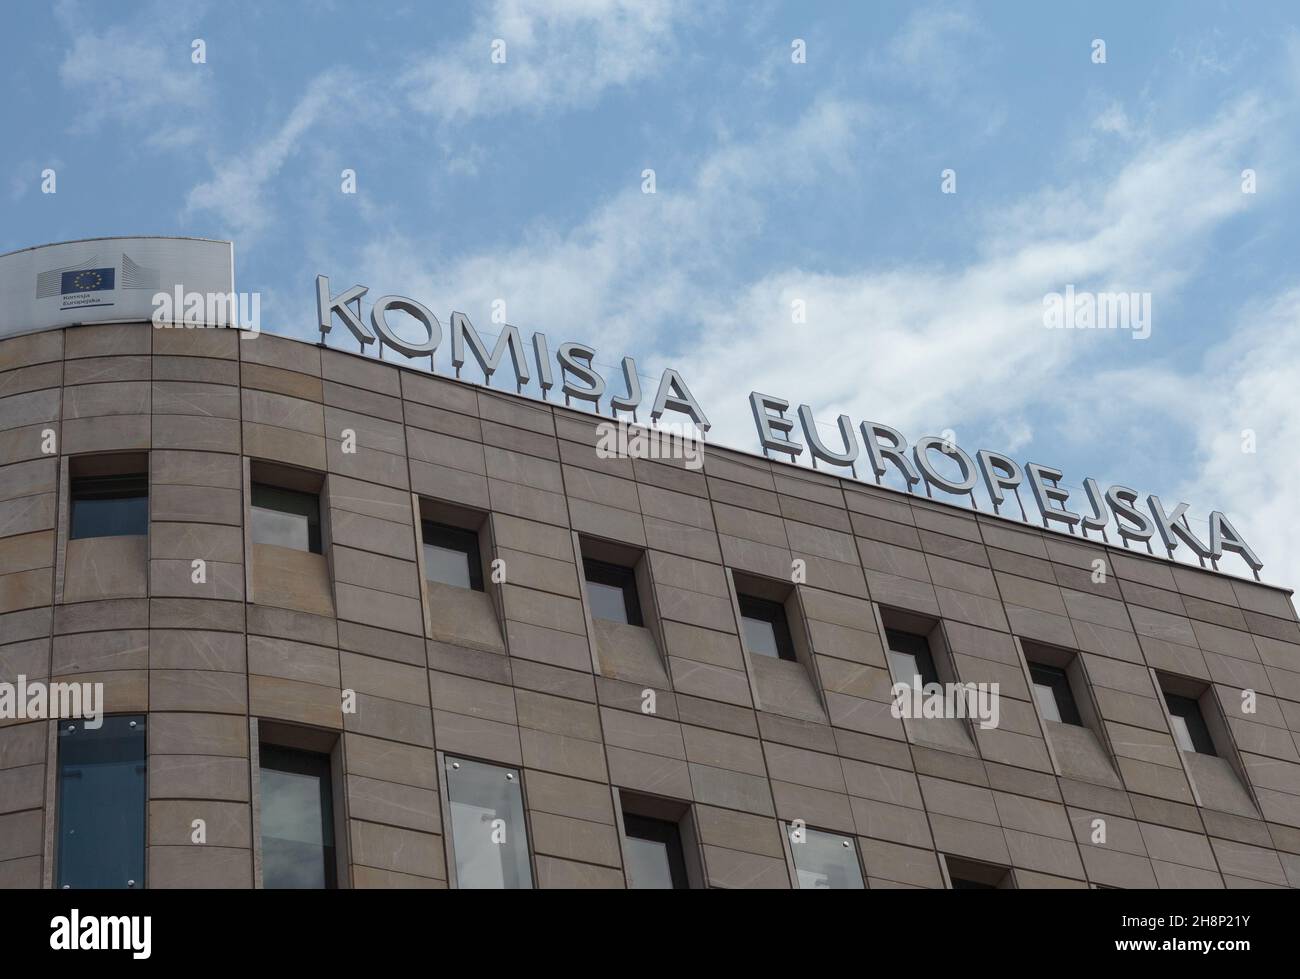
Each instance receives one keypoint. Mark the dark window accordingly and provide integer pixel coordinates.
(766, 630)
(654, 854)
(611, 592)
(909, 657)
(825, 861)
(297, 819)
(1190, 731)
(488, 834)
(966, 884)
(451, 555)
(970, 875)
(109, 506)
(1052, 691)
(102, 803)
(286, 518)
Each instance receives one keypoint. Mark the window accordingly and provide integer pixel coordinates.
(767, 632)
(654, 854)
(286, 518)
(1052, 691)
(109, 506)
(102, 803)
(1190, 732)
(297, 819)
(488, 834)
(451, 555)
(909, 657)
(611, 591)
(970, 875)
(825, 861)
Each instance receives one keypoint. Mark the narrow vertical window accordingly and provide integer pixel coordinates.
(101, 841)
(654, 854)
(767, 631)
(909, 657)
(451, 555)
(1190, 730)
(611, 592)
(297, 819)
(1053, 693)
(488, 834)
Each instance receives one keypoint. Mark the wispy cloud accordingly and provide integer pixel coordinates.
(137, 73)
(558, 54)
(236, 193)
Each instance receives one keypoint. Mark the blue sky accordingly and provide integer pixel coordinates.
(775, 181)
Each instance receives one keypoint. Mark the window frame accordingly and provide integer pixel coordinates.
(773, 613)
(447, 765)
(665, 831)
(1199, 732)
(108, 486)
(301, 761)
(462, 540)
(139, 730)
(921, 653)
(596, 571)
(855, 856)
(315, 541)
(1056, 679)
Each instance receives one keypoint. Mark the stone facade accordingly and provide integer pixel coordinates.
(522, 675)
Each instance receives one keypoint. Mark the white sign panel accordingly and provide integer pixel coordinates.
(103, 280)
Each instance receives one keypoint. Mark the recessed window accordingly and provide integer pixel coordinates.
(1053, 693)
(451, 555)
(286, 518)
(825, 861)
(1190, 731)
(611, 592)
(970, 875)
(909, 657)
(767, 632)
(109, 506)
(102, 803)
(654, 854)
(488, 834)
(297, 819)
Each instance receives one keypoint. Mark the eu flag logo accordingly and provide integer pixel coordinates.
(87, 280)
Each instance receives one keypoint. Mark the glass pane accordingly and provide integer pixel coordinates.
(487, 826)
(109, 506)
(760, 637)
(903, 667)
(297, 823)
(825, 861)
(1182, 736)
(447, 566)
(607, 602)
(101, 803)
(1046, 698)
(281, 529)
(647, 865)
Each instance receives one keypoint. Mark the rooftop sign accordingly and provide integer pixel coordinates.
(105, 280)
(931, 460)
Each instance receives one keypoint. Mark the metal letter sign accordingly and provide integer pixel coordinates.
(934, 461)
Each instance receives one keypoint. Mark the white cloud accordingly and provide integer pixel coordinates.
(137, 73)
(237, 190)
(1248, 383)
(558, 54)
(934, 49)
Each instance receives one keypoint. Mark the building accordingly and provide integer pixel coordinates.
(360, 625)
